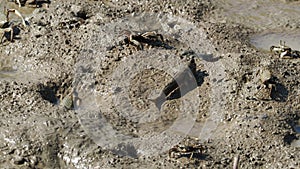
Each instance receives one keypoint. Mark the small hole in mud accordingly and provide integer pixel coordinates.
(269, 108)
(143, 89)
(142, 86)
(82, 14)
(48, 93)
(289, 138)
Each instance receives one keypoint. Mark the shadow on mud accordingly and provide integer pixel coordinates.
(126, 150)
(293, 137)
(279, 93)
(199, 77)
(289, 138)
(48, 93)
(184, 82)
(210, 58)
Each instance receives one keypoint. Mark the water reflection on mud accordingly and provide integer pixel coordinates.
(265, 40)
(261, 14)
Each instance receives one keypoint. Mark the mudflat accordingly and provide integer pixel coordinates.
(80, 85)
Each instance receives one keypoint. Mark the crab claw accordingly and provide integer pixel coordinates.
(19, 3)
(17, 13)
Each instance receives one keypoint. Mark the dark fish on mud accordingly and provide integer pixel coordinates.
(183, 82)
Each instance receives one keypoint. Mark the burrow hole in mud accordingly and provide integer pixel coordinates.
(51, 91)
(147, 85)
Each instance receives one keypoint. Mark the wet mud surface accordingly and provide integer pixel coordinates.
(127, 112)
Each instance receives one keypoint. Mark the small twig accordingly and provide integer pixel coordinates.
(236, 162)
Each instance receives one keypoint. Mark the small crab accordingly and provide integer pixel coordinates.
(266, 78)
(69, 100)
(151, 38)
(24, 2)
(295, 54)
(20, 2)
(7, 26)
(282, 50)
(185, 150)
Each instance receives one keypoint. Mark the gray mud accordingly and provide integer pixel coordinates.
(82, 45)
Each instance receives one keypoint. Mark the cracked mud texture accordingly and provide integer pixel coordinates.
(257, 123)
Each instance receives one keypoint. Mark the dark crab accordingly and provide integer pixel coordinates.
(7, 26)
(151, 38)
(284, 52)
(185, 151)
(30, 2)
(268, 84)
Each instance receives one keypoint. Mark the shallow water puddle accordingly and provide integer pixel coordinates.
(266, 40)
(270, 16)
(260, 14)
